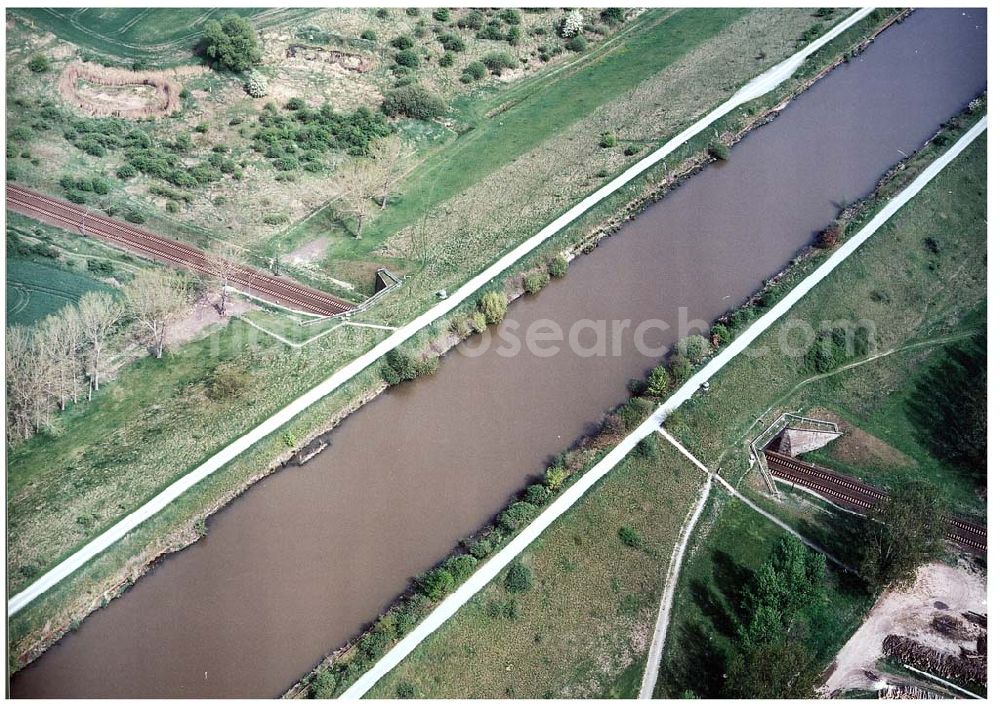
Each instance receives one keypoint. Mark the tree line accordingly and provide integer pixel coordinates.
(66, 356)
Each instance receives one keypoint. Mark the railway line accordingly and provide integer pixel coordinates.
(851, 492)
(60, 213)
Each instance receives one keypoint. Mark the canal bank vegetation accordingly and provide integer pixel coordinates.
(897, 285)
(572, 617)
(271, 369)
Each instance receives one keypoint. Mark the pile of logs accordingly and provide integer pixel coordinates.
(967, 668)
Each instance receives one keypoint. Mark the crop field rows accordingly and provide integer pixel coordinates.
(132, 33)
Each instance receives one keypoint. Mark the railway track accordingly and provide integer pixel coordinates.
(60, 213)
(853, 493)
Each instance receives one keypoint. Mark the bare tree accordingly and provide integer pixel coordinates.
(59, 337)
(100, 314)
(155, 298)
(388, 164)
(356, 184)
(224, 264)
(28, 405)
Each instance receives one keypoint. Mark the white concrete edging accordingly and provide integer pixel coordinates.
(450, 605)
(756, 87)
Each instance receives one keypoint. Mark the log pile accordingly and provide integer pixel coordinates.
(936, 662)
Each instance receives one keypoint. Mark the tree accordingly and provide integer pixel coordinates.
(231, 44)
(770, 660)
(831, 235)
(356, 184)
(902, 533)
(154, 298)
(100, 314)
(28, 405)
(223, 263)
(784, 669)
(60, 337)
(493, 305)
(658, 382)
(387, 164)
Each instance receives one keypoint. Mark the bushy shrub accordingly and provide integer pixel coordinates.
(295, 103)
(718, 150)
(323, 685)
(607, 140)
(509, 15)
(413, 101)
(634, 411)
(630, 537)
(680, 368)
(658, 382)
(537, 495)
(518, 579)
(721, 335)
(481, 548)
(472, 20)
(558, 266)
(478, 322)
(256, 85)
(452, 42)
(577, 44)
(461, 567)
(402, 42)
(695, 347)
(830, 235)
(496, 62)
(39, 63)
(406, 690)
(474, 71)
(447, 60)
(441, 14)
(400, 366)
(407, 58)
(436, 584)
(516, 516)
(493, 305)
(534, 281)
(613, 15)
(555, 476)
(369, 35)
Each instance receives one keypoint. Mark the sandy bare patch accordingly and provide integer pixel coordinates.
(308, 253)
(939, 589)
(202, 315)
(106, 91)
(857, 446)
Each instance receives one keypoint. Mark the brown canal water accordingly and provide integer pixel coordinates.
(306, 558)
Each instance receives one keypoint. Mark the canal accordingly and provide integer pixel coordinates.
(307, 557)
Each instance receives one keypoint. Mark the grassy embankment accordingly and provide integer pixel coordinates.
(583, 629)
(913, 296)
(213, 426)
(734, 540)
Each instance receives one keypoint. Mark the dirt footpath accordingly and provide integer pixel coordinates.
(939, 589)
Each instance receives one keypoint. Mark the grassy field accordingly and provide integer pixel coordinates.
(155, 35)
(931, 297)
(583, 629)
(35, 290)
